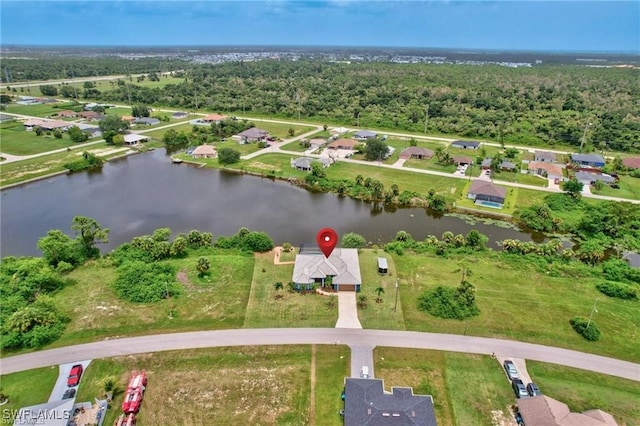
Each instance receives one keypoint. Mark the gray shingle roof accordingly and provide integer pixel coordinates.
(587, 158)
(343, 265)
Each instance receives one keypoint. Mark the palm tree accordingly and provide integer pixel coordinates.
(359, 179)
(377, 189)
(379, 291)
(203, 265)
(278, 286)
(362, 301)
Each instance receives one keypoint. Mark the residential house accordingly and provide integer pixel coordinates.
(487, 194)
(316, 143)
(343, 144)
(128, 118)
(364, 135)
(90, 115)
(147, 121)
(304, 163)
(542, 410)
(91, 130)
(544, 157)
(67, 113)
(253, 134)
(53, 413)
(548, 170)
(213, 118)
(338, 131)
(461, 160)
(341, 269)
(367, 404)
(486, 163)
(179, 114)
(508, 166)
(631, 163)
(588, 160)
(205, 151)
(416, 152)
(632, 258)
(32, 123)
(465, 144)
(588, 178)
(134, 138)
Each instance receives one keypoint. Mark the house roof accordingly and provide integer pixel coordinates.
(179, 114)
(5, 117)
(213, 117)
(344, 143)
(545, 155)
(133, 138)
(365, 134)
(339, 130)
(458, 159)
(587, 158)
(366, 404)
(592, 177)
(382, 263)
(342, 265)
(632, 163)
(545, 411)
(254, 133)
(417, 151)
(507, 165)
(67, 113)
(56, 413)
(54, 124)
(466, 143)
(127, 118)
(317, 142)
(550, 168)
(484, 187)
(146, 120)
(205, 150)
(486, 162)
(305, 162)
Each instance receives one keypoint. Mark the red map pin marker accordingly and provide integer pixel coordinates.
(327, 239)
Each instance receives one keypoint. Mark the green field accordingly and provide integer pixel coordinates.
(26, 388)
(42, 110)
(629, 188)
(14, 139)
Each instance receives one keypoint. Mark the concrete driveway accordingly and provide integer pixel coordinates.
(347, 310)
(61, 384)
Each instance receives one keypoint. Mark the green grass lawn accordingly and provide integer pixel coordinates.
(23, 170)
(215, 301)
(26, 388)
(629, 188)
(294, 146)
(293, 309)
(14, 139)
(41, 110)
(332, 366)
(281, 130)
(582, 390)
(379, 313)
(518, 177)
(509, 287)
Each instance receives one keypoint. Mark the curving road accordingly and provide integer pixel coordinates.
(298, 336)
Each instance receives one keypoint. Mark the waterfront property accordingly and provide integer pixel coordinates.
(304, 163)
(253, 134)
(588, 160)
(133, 139)
(204, 151)
(465, 144)
(341, 270)
(487, 194)
(366, 403)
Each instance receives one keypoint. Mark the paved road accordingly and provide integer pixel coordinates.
(326, 336)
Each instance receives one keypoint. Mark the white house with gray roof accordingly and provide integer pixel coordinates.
(341, 270)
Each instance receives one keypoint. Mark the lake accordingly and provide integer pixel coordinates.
(135, 195)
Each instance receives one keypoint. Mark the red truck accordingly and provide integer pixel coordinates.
(135, 392)
(126, 420)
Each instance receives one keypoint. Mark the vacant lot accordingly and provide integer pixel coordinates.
(17, 141)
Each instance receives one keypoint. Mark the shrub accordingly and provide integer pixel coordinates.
(353, 240)
(589, 332)
(450, 303)
(143, 282)
(619, 290)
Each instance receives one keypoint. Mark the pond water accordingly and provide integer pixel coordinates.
(135, 195)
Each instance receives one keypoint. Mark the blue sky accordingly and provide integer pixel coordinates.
(506, 25)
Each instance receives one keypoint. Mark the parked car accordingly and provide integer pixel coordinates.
(70, 393)
(74, 375)
(364, 373)
(519, 388)
(510, 368)
(533, 389)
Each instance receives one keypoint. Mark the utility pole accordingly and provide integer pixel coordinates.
(584, 135)
(395, 306)
(426, 118)
(592, 311)
(358, 119)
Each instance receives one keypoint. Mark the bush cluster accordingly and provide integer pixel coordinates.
(450, 303)
(252, 241)
(619, 290)
(147, 248)
(589, 332)
(144, 282)
(403, 241)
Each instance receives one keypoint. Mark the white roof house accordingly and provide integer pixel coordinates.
(133, 139)
(342, 266)
(55, 413)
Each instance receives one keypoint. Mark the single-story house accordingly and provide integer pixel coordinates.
(91, 130)
(416, 152)
(465, 144)
(338, 131)
(316, 143)
(486, 193)
(213, 118)
(54, 413)
(128, 118)
(591, 160)
(588, 178)
(4, 118)
(90, 115)
(365, 134)
(460, 160)
(90, 106)
(134, 138)
(147, 121)
(548, 170)
(28, 100)
(383, 266)
(631, 163)
(366, 403)
(632, 258)
(67, 113)
(343, 144)
(542, 410)
(486, 163)
(204, 151)
(180, 114)
(32, 123)
(544, 157)
(508, 165)
(253, 134)
(304, 163)
(342, 269)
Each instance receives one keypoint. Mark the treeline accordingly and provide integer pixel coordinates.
(64, 67)
(540, 105)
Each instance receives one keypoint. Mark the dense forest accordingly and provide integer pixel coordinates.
(544, 104)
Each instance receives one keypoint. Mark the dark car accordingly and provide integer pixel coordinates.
(510, 368)
(519, 388)
(533, 389)
(74, 375)
(70, 393)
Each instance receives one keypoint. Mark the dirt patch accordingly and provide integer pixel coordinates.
(499, 418)
(263, 166)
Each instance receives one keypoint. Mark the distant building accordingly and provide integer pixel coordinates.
(365, 135)
(366, 403)
(461, 160)
(343, 144)
(632, 258)
(304, 163)
(416, 152)
(487, 194)
(591, 178)
(147, 121)
(253, 134)
(465, 144)
(179, 114)
(589, 160)
(631, 163)
(548, 170)
(542, 410)
(213, 118)
(544, 157)
(133, 139)
(204, 151)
